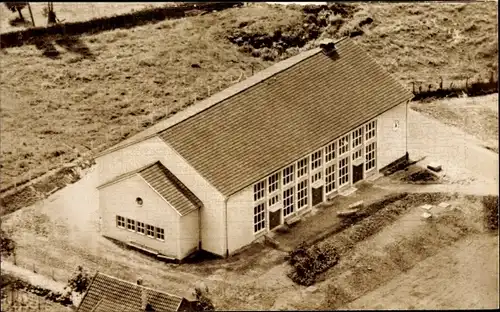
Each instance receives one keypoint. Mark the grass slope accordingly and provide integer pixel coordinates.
(73, 94)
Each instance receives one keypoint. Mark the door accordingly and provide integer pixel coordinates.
(274, 218)
(317, 195)
(357, 173)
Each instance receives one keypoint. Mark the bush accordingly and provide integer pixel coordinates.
(79, 281)
(203, 303)
(8, 245)
(490, 205)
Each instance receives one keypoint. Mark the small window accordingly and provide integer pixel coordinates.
(274, 200)
(150, 230)
(316, 177)
(139, 201)
(131, 225)
(140, 228)
(357, 154)
(160, 234)
(120, 222)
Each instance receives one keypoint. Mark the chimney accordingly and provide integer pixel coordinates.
(144, 295)
(328, 46)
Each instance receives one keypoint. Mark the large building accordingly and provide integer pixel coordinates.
(235, 166)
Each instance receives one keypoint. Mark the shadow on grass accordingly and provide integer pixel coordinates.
(69, 43)
(19, 22)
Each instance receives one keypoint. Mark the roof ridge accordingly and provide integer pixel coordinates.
(140, 286)
(127, 174)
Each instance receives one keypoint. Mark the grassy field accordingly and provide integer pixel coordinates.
(67, 96)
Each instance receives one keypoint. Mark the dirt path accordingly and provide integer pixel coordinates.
(33, 278)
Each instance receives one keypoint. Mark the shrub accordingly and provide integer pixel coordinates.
(8, 245)
(490, 205)
(203, 303)
(79, 281)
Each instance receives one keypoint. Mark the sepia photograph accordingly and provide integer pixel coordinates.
(249, 156)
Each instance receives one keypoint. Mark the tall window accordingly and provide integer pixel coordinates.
(370, 130)
(120, 222)
(330, 178)
(344, 145)
(160, 233)
(370, 156)
(302, 167)
(288, 202)
(259, 190)
(316, 160)
(343, 171)
(330, 152)
(302, 194)
(140, 227)
(259, 218)
(288, 175)
(131, 224)
(273, 182)
(357, 136)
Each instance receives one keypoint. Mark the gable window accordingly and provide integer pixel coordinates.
(150, 230)
(343, 171)
(370, 130)
(330, 178)
(302, 194)
(330, 152)
(259, 218)
(302, 167)
(120, 222)
(316, 160)
(160, 233)
(259, 190)
(131, 225)
(288, 175)
(288, 201)
(370, 156)
(344, 145)
(140, 228)
(357, 136)
(273, 182)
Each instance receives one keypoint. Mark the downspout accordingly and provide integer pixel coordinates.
(225, 217)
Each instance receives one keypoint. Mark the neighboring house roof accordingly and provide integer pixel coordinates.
(275, 122)
(273, 118)
(107, 293)
(160, 179)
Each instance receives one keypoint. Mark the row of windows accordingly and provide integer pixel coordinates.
(140, 227)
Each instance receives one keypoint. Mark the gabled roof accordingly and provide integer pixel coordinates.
(107, 293)
(164, 182)
(275, 117)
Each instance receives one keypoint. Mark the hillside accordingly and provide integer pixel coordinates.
(63, 97)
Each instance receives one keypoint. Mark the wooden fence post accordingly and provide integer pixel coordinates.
(441, 84)
(413, 86)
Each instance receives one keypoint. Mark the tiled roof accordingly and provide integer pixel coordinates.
(283, 117)
(169, 187)
(107, 294)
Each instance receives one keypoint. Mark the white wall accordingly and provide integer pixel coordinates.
(391, 141)
(119, 199)
(154, 149)
(240, 219)
(188, 234)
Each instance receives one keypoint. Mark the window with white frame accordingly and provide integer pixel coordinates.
(259, 217)
(343, 171)
(302, 194)
(357, 154)
(357, 137)
(288, 201)
(141, 228)
(273, 182)
(259, 190)
(302, 166)
(316, 160)
(131, 224)
(344, 145)
(150, 230)
(288, 175)
(330, 178)
(330, 151)
(273, 200)
(120, 222)
(160, 233)
(370, 130)
(316, 177)
(370, 156)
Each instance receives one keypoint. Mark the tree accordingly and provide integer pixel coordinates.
(51, 15)
(8, 246)
(16, 6)
(79, 281)
(203, 303)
